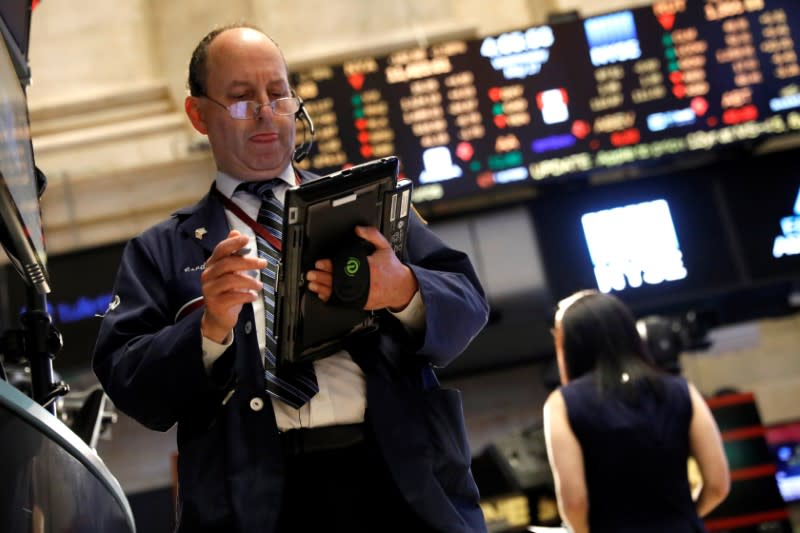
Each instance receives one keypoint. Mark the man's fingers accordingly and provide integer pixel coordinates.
(233, 298)
(320, 277)
(324, 292)
(230, 282)
(373, 236)
(230, 245)
(230, 263)
(228, 257)
(325, 265)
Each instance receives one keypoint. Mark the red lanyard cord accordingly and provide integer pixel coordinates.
(244, 217)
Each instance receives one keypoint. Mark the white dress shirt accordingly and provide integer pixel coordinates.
(342, 388)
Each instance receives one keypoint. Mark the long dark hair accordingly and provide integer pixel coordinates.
(600, 337)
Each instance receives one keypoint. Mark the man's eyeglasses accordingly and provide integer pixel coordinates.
(247, 109)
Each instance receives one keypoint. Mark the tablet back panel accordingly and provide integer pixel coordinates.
(320, 216)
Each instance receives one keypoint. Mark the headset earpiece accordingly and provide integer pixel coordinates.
(302, 151)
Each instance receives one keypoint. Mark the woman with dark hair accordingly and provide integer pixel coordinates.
(620, 431)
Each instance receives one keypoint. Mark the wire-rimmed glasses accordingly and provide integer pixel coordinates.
(247, 109)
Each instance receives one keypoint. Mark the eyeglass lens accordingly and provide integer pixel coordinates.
(250, 109)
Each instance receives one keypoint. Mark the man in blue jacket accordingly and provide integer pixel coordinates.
(375, 444)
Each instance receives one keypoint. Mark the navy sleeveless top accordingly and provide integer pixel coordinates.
(635, 457)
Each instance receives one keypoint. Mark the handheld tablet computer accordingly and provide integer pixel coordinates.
(319, 220)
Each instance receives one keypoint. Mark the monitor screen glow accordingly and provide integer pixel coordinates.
(784, 443)
(650, 241)
(633, 245)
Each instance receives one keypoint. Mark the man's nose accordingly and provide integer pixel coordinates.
(264, 107)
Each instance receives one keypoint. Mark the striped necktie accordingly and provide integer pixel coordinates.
(297, 383)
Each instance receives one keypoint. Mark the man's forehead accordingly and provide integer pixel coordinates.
(278, 82)
(238, 42)
(237, 59)
(243, 35)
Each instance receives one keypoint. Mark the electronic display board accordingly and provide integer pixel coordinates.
(15, 24)
(21, 234)
(481, 121)
(765, 213)
(653, 241)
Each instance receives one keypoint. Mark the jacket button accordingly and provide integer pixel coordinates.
(248, 327)
(256, 404)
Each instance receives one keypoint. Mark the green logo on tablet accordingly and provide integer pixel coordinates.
(352, 266)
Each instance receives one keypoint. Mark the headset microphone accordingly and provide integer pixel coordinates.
(302, 151)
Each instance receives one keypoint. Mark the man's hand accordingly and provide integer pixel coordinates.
(392, 284)
(227, 286)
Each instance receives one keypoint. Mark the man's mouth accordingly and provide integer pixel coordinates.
(264, 137)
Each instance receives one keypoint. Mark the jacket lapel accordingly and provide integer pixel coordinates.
(204, 223)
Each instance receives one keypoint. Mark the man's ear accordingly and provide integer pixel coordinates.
(195, 114)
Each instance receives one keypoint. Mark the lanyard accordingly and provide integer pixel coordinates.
(244, 217)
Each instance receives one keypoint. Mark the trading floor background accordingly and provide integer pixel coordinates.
(109, 131)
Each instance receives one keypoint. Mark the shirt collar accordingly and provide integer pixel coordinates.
(227, 184)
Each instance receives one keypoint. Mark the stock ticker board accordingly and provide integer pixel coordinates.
(472, 118)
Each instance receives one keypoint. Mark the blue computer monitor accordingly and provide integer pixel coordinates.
(784, 444)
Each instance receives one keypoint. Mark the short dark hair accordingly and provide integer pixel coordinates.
(198, 71)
